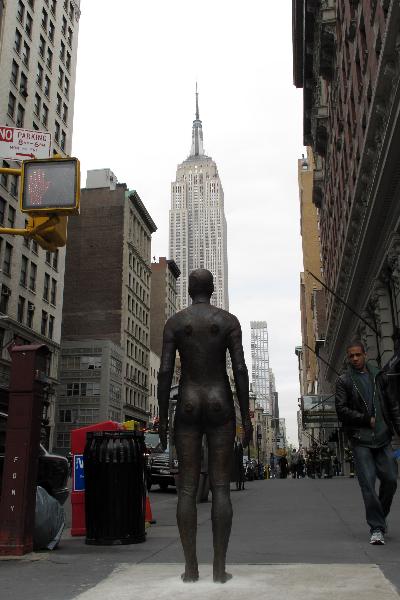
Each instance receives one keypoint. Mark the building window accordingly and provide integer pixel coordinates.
(26, 53)
(24, 271)
(65, 113)
(11, 217)
(46, 287)
(60, 79)
(32, 277)
(49, 60)
(42, 46)
(51, 31)
(68, 415)
(11, 105)
(48, 257)
(23, 85)
(14, 72)
(4, 297)
(59, 102)
(30, 312)
(28, 24)
(90, 362)
(51, 327)
(69, 38)
(57, 131)
(14, 186)
(55, 260)
(63, 138)
(45, 18)
(53, 6)
(64, 26)
(66, 87)
(2, 210)
(34, 247)
(68, 61)
(71, 11)
(20, 116)
(47, 86)
(62, 51)
(20, 11)
(7, 259)
(37, 105)
(39, 75)
(63, 440)
(17, 41)
(21, 309)
(53, 292)
(43, 324)
(45, 115)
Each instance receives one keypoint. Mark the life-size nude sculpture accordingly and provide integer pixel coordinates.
(202, 333)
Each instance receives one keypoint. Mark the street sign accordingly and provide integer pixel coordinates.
(24, 144)
(79, 474)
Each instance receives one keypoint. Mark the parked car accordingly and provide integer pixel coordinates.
(160, 468)
(52, 469)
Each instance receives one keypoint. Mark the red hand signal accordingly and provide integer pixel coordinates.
(37, 187)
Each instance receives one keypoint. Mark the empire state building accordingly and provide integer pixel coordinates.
(197, 224)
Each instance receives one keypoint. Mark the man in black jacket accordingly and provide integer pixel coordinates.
(370, 417)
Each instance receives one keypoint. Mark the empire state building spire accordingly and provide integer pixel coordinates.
(197, 132)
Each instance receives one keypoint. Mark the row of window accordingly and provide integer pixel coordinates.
(25, 313)
(82, 388)
(134, 398)
(79, 362)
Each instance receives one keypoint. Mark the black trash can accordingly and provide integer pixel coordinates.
(115, 491)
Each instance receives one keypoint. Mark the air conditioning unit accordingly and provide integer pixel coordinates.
(31, 308)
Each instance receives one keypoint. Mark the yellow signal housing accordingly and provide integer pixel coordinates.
(50, 186)
(49, 232)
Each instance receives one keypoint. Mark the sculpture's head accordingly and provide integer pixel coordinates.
(200, 284)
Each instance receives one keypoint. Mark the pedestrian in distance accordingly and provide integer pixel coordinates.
(283, 467)
(370, 415)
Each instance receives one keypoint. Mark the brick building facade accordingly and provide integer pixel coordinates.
(347, 60)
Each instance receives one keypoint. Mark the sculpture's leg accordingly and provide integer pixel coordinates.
(220, 445)
(188, 447)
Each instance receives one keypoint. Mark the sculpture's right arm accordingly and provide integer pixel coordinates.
(166, 371)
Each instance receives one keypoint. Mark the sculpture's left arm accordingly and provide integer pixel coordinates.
(241, 377)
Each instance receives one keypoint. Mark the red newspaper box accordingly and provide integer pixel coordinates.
(78, 442)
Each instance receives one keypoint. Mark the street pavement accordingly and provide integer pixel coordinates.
(290, 539)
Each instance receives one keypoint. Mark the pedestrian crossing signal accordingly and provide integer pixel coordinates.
(50, 186)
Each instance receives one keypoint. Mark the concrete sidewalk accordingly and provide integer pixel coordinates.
(299, 538)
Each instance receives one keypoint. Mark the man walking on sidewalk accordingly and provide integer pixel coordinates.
(369, 415)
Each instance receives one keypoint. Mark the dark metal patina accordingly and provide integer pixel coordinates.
(202, 334)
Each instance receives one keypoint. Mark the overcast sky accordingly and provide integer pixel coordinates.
(138, 63)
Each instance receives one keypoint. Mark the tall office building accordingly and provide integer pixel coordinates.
(107, 297)
(163, 299)
(260, 364)
(197, 224)
(38, 49)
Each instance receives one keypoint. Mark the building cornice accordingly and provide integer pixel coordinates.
(142, 210)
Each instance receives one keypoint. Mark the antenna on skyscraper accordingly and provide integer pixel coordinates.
(197, 104)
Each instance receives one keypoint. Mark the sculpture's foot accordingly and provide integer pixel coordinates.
(190, 576)
(221, 577)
